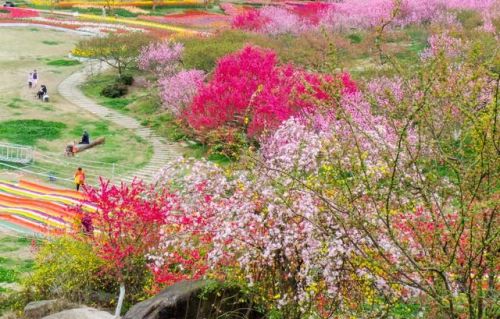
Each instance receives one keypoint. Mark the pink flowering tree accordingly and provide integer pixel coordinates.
(260, 237)
(177, 87)
(161, 58)
(275, 20)
(280, 20)
(177, 91)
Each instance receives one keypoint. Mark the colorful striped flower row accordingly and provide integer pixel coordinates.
(38, 208)
(18, 13)
(146, 3)
(131, 9)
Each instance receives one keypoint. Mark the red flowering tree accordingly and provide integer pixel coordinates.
(125, 228)
(249, 20)
(250, 91)
(312, 11)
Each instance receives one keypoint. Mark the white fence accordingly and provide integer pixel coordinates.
(16, 153)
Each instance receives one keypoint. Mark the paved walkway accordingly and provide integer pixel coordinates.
(163, 150)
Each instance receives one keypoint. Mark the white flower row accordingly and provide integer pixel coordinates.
(90, 25)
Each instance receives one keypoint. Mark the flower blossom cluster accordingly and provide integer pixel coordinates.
(442, 43)
(177, 91)
(177, 86)
(161, 57)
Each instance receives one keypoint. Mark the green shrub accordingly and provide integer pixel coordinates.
(27, 132)
(126, 79)
(69, 269)
(114, 90)
(355, 38)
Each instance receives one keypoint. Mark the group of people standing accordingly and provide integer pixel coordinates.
(42, 94)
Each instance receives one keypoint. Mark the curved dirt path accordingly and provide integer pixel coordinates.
(164, 151)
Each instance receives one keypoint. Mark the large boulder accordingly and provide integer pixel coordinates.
(41, 308)
(183, 300)
(81, 313)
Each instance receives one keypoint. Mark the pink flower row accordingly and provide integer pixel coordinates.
(20, 12)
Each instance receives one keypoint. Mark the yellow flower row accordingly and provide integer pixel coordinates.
(138, 23)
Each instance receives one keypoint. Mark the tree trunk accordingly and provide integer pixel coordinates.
(120, 301)
(82, 147)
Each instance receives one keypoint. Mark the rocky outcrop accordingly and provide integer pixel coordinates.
(81, 313)
(183, 300)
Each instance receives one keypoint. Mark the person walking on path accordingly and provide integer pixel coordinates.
(79, 178)
(35, 78)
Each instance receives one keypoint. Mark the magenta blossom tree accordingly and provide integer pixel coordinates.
(251, 92)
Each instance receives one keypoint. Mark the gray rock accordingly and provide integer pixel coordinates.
(9, 315)
(81, 313)
(38, 309)
(183, 300)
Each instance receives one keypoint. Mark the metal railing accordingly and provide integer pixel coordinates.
(14, 153)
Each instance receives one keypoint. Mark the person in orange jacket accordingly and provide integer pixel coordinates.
(79, 178)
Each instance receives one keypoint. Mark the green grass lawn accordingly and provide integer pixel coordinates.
(105, 160)
(49, 42)
(28, 132)
(63, 62)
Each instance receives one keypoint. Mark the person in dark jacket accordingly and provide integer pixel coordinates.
(42, 92)
(85, 138)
